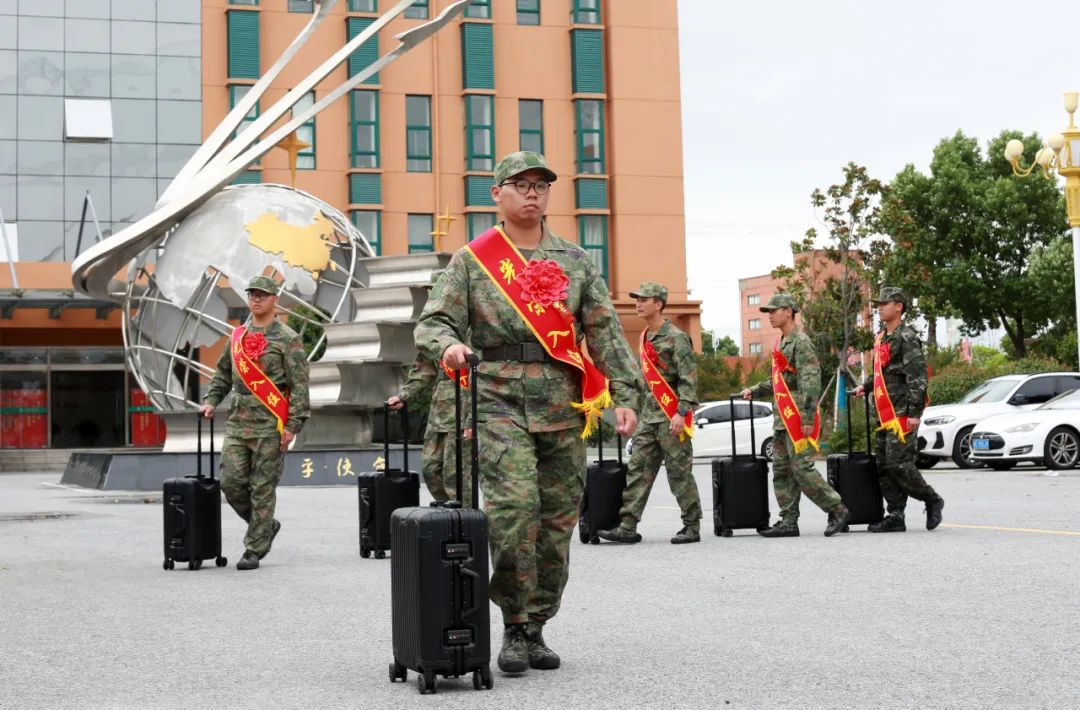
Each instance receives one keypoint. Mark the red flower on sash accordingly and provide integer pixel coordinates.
(885, 353)
(543, 282)
(650, 353)
(254, 345)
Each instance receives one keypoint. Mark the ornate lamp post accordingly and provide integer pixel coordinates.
(1062, 151)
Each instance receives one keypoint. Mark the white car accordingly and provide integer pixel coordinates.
(712, 434)
(1047, 435)
(945, 430)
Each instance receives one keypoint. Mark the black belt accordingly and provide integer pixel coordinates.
(517, 352)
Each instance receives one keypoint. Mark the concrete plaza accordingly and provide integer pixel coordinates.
(983, 612)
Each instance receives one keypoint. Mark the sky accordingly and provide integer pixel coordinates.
(778, 96)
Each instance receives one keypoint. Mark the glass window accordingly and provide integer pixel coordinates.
(172, 11)
(133, 160)
(755, 348)
(135, 121)
(742, 411)
(88, 158)
(363, 6)
(590, 136)
(418, 134)
(755, 324)
(8, 157)
(178, 40)
(480, 9)
(418, 10)
(41, 73)
(132, 198)
(1037, 390)
(531, 125)
(990, 391)
(1066, 383)
(593, 233)
(9, 70)
(39, 197)
(420, 229)
(24, 409)
(301, 5)
(42, 33)
(246, 2)
(586, 12)
(760, 410)
(480, 222)
(479, 132)
(87, 8)
(179, 122)
(8, 111)
(41, 240)
(9, 30)
(133, 10)
(75, 190)
(22, 356)
(133, 37)
(133, 76)
(753, 299)
(179, 78)
(87, 75)
(369, 222)
(170, 158)
(40, 158)
(528, 12)
(305, 159)
(365, 129)
(719, 413)
(86, 36)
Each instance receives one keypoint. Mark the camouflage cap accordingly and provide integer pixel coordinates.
(649, 289)
(780, 300)
(519, 162)
(893, 294)
(263, 283)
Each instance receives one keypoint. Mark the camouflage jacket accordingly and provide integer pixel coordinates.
(905, 375)
(804, 384)
(465, 306)
(425, 376)
(284, 362)
(677, 365)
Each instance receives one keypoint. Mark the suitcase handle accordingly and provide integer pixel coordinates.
(753, 443)
(474, 362)
(865, 412)
(404, 437)
(600, 444)
(198, 446)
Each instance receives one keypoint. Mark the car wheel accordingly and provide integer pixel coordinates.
(1001, 465)
(961, 450)
(766, 449)
(924, 461)
(1062, 448)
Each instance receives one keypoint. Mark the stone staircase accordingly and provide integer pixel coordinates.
(33, 460)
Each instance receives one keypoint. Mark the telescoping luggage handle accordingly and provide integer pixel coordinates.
(198, 445)
(866, 411)
(600, 444)
(404, 438)
(753, 443)
(474, 361)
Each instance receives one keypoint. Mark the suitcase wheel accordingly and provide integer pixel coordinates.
(594, 540)
(717, 530)
(583, 534)
(168, 564)
(728, 532)
(482, 679)
(221, 561)
(398, 672)
(380, 554)
(427, 683)
(194, 565)
(846, 528)
(365, 552)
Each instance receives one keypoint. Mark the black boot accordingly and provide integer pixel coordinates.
(933, 513)
(619, 534)
(514, 656)
(540, 656)
(837, 520)
(781, 529)
(891, 523)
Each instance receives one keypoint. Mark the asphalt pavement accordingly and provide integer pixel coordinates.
(983, 612)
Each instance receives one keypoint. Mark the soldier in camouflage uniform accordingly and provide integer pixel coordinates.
(659, 439)
(906, 383)
(254, 451)
(532, 458)
(440, 452)
(794, 472)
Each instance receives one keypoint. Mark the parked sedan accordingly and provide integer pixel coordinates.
(712, 436)
(1048, 435)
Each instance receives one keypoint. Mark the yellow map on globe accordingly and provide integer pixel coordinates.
(306, 247)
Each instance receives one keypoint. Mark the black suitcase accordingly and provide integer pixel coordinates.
(854, 476)
(605, 482)
(382, 492)
(740, 484)
(192, 509)
(439, 582)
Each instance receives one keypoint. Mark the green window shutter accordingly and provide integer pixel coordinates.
(591, 194)
(587, 56)
(365, 188)
(478, 191)
(368, 51)
(243, 44)
(248, 177)
(477, 56)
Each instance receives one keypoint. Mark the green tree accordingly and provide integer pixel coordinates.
(308, 321)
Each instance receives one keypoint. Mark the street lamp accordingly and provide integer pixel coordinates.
(1062, 151)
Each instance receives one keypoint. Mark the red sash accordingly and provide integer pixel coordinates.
(256, 381)
(661, 391)
(788, 409)
(553, 326)
(463, 374)
(886, 413)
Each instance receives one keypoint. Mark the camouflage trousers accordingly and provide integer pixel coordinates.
(439, 469)
(532, 484)
(795, 474)
(898, 474)
(250, 471)
(653, 444)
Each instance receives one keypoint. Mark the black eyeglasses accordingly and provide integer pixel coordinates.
(522, 186)
(258, 295)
